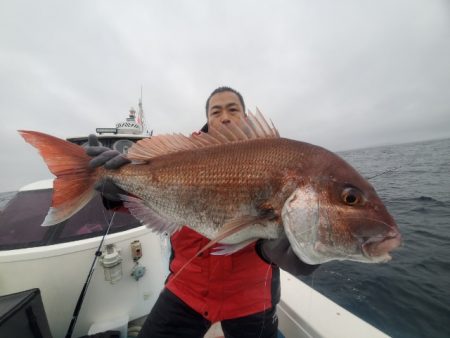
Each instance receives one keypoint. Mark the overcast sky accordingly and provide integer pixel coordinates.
(340, 74)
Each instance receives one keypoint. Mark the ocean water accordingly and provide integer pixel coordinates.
(409, 296)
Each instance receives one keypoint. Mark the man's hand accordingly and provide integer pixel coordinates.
(279, 252)
(110, 159)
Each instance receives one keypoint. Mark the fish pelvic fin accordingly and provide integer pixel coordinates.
(73, 186)
(254, 126)
(230, 228)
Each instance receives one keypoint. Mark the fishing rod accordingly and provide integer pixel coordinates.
(387, 171)
(98, 253)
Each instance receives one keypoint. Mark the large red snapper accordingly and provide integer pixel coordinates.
(235, 185)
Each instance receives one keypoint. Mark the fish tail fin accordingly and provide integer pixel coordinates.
(73, 187)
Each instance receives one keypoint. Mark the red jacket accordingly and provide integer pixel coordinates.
(221, 287)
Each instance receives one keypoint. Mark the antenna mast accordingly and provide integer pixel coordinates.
(141, 115)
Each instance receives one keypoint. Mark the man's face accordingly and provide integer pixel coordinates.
(223, 108)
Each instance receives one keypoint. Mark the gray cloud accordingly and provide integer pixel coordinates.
(342, 75)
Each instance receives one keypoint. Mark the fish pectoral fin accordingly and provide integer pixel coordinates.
(147, 216)
(229, 228)
(237, 224)
(228, 249)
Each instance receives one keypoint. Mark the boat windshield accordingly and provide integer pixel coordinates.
(21, 219)
(5, 197)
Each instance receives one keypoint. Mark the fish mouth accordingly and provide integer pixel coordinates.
(377, 248)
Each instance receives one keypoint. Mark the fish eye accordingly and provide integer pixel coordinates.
(351, 196)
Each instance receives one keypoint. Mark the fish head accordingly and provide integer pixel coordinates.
(337, 215)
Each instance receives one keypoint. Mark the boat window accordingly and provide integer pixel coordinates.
(5, 197)
(93, 221)
(21, 219)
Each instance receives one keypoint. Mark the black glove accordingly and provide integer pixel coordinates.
(279, 251)
(110, 159)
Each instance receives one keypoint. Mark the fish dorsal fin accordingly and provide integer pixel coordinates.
(254, 126)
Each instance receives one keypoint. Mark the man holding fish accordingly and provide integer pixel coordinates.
(240, 289)
(239, 201)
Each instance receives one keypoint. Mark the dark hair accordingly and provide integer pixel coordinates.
(225, 89)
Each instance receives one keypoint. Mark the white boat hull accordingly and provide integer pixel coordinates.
(60, 271)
